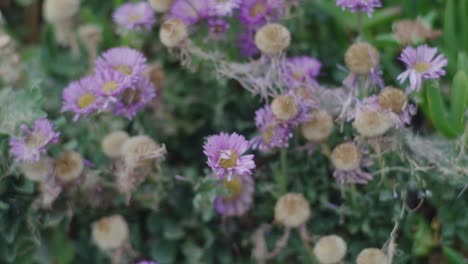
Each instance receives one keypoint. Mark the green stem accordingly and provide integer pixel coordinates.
(284, 179)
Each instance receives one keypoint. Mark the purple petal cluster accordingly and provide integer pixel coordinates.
(273, 134)
(117, 85)
(226, 156)
(422, 63)
(223, 7)
(365, 6)
(190, 11)
(254, 12)
(32, 144)
(240, 198)
(135, 16)
(218, 27)
(301, 71)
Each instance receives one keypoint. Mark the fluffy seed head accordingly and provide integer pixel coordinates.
(160, 5)
(69, 166)
(272, 39)
(39, 170)
(139, 151)
(330, 249)
(319, 128)
(371, 256)
(346, 156)
(112, 143)
(370, 123)
(284, 107)
(361, 58)
(90, 34)
(393, 99)
(292, 210)
(110, 232)
(56, 11)
(173, 31)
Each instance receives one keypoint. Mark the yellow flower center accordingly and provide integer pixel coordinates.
(35, 140)
(134, 17)
(230, 161)
(110, 86)
(235, 188)
(297, 76)
(125, 69)
(86, 100)
(421, 67)
(257, 9)
(268, 134)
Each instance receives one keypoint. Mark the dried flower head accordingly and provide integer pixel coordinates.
(112, 143)
(372, 256)
(39, 170)
(285, 107)
(173, 32)
(155, 73)
(394, 102)
(56, 11)
(140, 151)
(292, 210)
(272, 39)
(160, 5)
(110, 232)
(372, 123)
(330, 249)
(361, 58)
(135, 16)
(240, 197)
(409, 32)
(69, 166)
(392, 99)
(91, 36)
(347, 158)
(319, 127)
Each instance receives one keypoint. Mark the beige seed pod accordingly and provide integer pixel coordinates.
(361, 58)
(69, 166)
(272, 39)
(173, 32)
(330, 249)
(112, 143)
(110, 232)
(38, 171)
(139, 151)
(372, 256)
(346, 156)
(160, 5)
(319, 128)
(370, 123)
(392, 99)
(285, 107)
(56, 11)
(292, 210)
(155, 73)
(409, 32)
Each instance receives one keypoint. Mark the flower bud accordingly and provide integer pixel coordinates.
(371, 256)
(361, 58)
(69, 166)
(346, 156)
(56, 11)
(140, 150)
(285, 107)
(272, 39)
(392, 99)
(160, 5)
(112, 143)
(292, 210)
(110, 232)
(38, 171)
(319, 128)
(370, 123)
(330, 249)
(173, 32)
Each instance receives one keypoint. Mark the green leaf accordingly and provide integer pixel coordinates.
(437, 110)
(452, 256)
(459, 101)
(450, 37)
(423, 240)
(62, 248)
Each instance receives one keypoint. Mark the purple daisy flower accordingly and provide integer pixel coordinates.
(32, 144)
(135, 16)
(109, 85)
(134, 99)
(127, 61)
(246, 43)
(190, 11)
(147, 262)
(348, 160)
(365, 6)
(218, 27)
(422, 64)
(254, 12)
(301, 70)
(225, 155)
(79, 97)
(273, 134)
(240, 197)
(223, 7)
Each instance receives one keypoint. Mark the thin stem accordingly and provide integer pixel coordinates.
(284, 179)
(359, 25)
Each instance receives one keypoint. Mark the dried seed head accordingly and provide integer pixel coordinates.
(330, 249)
(39, 170)
(346, 156)
(69, 166)
(292, 210)
(272, 39)
(370, 123)
(285, 107)
(140, 150)
(56, 11)
(160, 5)
(409, 32)
(371, 256)
(319, 128)
(112, 143)
(110, 232)
(361, 58)
(393, 99)
(90, 34)
(173, 32)
(155, 73)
